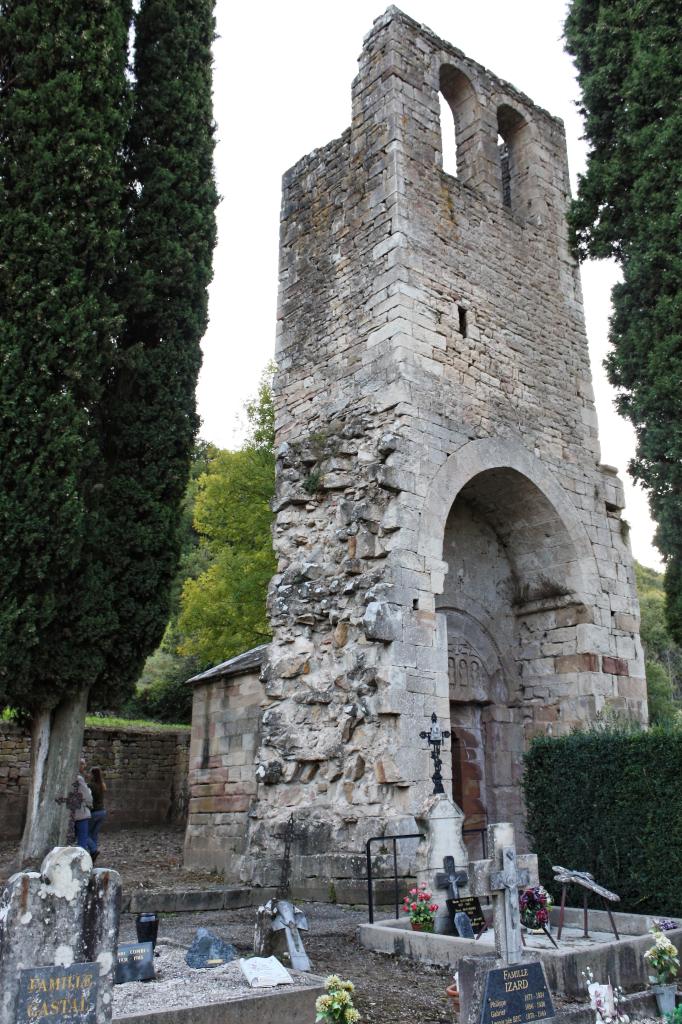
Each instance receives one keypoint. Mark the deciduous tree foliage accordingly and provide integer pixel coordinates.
(629, 59)
(106, 232)
(663, 657)
(223, 609)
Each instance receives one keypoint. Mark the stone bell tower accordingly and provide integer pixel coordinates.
(447, 538)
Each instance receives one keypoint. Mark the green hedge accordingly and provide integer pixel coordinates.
(610, 803)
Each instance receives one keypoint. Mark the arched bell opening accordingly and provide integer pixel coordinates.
(459, 123)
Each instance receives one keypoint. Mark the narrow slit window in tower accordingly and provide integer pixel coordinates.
(448, 137)
(505, 170)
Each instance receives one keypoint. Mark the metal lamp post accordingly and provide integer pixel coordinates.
(435, 737)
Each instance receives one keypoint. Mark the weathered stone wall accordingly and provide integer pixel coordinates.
(226, 720)
(145, 773)
(447, 539)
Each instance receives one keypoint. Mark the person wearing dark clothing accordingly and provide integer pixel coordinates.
(98, 813)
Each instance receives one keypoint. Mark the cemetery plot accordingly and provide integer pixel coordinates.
(221, 990)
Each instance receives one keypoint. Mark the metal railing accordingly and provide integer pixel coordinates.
(370, 878)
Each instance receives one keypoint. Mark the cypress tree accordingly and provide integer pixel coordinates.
(106, 232)
(629, 59)
(63, 116)
(150, 417)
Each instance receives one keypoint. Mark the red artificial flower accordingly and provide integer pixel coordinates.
(414, 906)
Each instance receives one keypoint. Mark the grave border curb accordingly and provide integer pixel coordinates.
(295, 1005)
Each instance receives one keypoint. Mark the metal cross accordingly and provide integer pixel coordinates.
(435, 737)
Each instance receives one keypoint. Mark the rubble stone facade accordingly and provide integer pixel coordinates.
(447, 538)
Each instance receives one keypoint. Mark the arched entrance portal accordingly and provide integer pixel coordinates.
(508, 555)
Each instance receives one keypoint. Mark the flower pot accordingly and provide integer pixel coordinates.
(453, 993)
(665, 997)
(418, 926)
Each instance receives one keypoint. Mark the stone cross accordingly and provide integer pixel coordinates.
(501, 877)
(58, 934)
(450, 879)
(278, 932)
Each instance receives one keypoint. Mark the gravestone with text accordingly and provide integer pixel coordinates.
(517, 994)
(134, 962)
(61, 995)
(471, 906)
(58, 933)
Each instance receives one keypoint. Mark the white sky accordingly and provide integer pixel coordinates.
(283, 72)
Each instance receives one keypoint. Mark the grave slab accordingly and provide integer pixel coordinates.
(181, 995)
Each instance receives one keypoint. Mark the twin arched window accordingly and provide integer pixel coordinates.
(461, 126)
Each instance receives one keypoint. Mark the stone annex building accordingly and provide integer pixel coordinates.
(447, 538)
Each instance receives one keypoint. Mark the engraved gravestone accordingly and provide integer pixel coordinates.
(134, 962)
(58, 995)
(471, 906)
(517, 994)
(58, 932)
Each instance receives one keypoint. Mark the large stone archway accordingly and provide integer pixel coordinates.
(509, 559)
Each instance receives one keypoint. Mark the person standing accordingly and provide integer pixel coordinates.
(98, 813)
(81, 811)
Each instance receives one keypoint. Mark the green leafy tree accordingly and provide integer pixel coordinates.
(659, 688)
(223, 609)
(106, 231)
(629, 59)
(663, 657)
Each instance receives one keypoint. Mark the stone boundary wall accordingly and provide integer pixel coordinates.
(145, 772)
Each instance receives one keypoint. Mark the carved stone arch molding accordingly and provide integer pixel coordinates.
(477, 457)
(471, 641)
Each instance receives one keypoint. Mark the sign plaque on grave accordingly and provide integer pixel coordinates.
(471, 906)
(58, 995)
(517, 994)
(135, 962)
